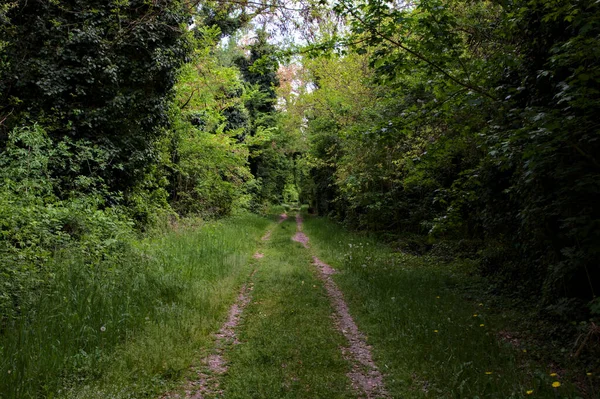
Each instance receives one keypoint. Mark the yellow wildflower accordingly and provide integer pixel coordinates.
(481, 325)
(488, 372)
(552, 374)
(435, 331)
(530, 392)
(555, 384)
(588, 374)
(524, 350)
(475, 315)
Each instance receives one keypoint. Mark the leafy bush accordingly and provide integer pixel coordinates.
(35, 223)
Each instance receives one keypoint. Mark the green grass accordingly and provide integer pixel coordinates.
(288, 348)
(131, 325)
(428, 340)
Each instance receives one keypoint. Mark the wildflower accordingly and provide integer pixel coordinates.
(9, 371)
(529, 392)
(481, 304)
(103, 328)
(435, 331)
(524, 350)
(588, 374)
(481, 325)
(555, 384)
(552, 374)
(437, 297)
(488, 372)
(475, 315)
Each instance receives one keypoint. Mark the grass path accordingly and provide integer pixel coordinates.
(289, 348)
(298, 338)
(316, 309)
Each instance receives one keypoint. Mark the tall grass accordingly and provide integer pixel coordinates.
(127, 326)
(428, 339)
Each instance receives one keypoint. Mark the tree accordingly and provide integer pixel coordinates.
(483, 131)
(100, 74)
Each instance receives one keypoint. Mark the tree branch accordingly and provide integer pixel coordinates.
(420, 57)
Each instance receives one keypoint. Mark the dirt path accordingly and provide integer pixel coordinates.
(300, 236)
(366, 381)
(267, 235)
(206, 384)
(365, 376)
(215, 365)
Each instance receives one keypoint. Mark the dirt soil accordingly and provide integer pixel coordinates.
(206, 383)
(301, 238)
(365, 377)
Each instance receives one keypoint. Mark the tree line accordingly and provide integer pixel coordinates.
(120, 116)
(467, 129)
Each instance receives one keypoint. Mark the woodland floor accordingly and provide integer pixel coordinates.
(291, 332)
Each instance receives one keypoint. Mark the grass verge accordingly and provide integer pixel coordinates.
(428, 340)
(131, 325)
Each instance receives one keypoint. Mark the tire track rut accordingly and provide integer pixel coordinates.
(365, 376)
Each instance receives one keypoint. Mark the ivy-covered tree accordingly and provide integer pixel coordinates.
(204, 159)
(96, 73)
(269, 159)
(260, 69)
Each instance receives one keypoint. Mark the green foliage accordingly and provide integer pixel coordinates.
(203, 156)
(271, 147)
(260, 69)
(468, 122)
(98, 73)
(35, 223)
(210, 171)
